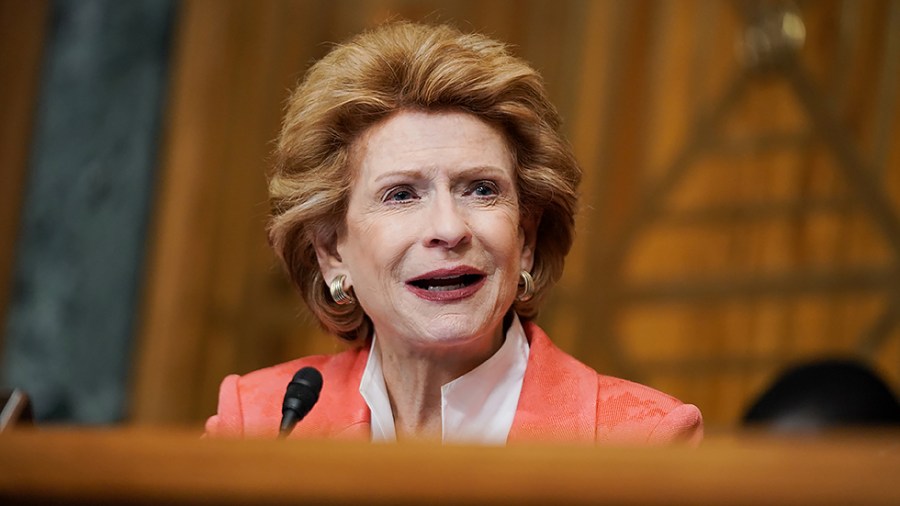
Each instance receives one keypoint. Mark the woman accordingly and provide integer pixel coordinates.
(423, 203)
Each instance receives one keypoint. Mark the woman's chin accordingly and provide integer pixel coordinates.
(444, 319)
(451, 330)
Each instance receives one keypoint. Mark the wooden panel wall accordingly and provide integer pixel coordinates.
(722, 232)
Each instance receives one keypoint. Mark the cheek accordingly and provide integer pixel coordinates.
(504, 237)
(375, 246)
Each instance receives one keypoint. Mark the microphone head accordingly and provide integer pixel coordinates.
(309, 377)
(302, 392)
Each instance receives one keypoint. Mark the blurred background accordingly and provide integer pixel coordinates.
(739, 209)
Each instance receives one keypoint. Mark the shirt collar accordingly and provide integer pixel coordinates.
(477, 407)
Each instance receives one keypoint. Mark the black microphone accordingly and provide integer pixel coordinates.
(302, 394)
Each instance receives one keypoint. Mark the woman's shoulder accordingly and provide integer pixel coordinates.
(282, 373)
(632, 412)
(250, 404)
(622, 411)
(629, 394)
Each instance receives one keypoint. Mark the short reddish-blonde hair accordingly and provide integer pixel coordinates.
(410, 66)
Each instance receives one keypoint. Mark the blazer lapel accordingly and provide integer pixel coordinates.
(558, 402)
(341, 412)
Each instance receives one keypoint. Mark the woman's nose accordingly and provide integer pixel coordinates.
(447, 226)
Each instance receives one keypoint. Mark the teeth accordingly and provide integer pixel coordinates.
(446, 283)
(445, 288)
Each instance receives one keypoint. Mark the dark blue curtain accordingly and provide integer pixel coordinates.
(79, 256)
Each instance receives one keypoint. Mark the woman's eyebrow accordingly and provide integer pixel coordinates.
(417, 174)
(482, 170)
(402, 174)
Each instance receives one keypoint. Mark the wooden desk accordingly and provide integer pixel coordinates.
(138, 467)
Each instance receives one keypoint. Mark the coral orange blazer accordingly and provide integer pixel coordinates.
(562, 400)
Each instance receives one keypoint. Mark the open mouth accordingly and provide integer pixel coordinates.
(446, 284)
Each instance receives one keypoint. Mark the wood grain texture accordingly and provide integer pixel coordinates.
(152, 468)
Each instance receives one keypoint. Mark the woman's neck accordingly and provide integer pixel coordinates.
(414, 379)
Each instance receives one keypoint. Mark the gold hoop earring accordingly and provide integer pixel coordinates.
(337, 291)
(526, 287)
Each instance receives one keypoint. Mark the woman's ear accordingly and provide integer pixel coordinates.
(528, 231)
(330, 262)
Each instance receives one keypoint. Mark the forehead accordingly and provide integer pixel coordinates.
(417, 140)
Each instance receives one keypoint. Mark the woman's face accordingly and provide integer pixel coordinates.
(434, 242)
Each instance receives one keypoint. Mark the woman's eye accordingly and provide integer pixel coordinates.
(399, 194)
(484, 189)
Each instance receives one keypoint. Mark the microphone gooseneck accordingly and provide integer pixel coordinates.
(301, 395)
